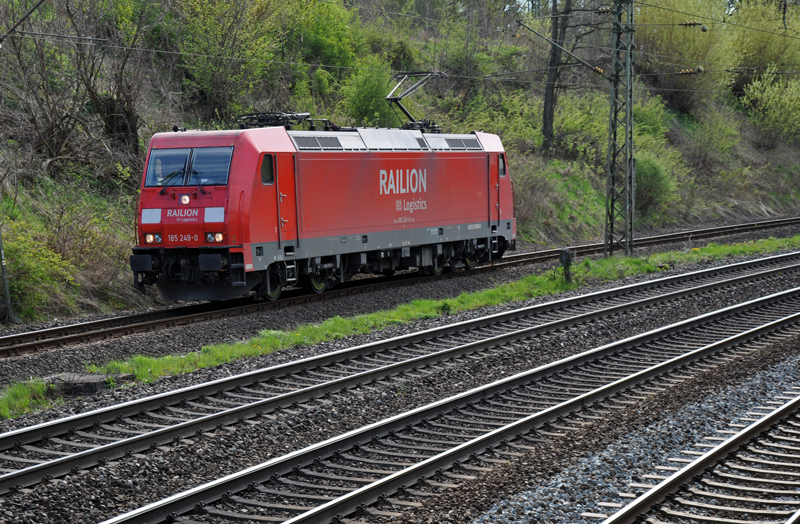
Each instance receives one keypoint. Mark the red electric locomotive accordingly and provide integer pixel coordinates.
(224, 213)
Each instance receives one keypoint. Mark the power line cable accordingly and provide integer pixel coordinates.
(119, 47)
(87, 39)
(28, 34)
(716, 20)
(32, 35)
(20, 21)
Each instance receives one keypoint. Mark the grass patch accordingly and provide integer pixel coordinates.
(15, 400)
(268, 341)
(25, 397)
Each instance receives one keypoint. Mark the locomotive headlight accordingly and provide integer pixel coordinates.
(184, 199)
(218, 237)
(151, 238)
(214, 237)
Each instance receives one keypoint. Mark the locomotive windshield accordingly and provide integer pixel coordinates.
(188, 166)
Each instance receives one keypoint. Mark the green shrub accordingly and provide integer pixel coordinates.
(399, 51)
(774, 103)
(765, 41)
(556, 200)
(581, 128)
(226, 50)
(327, 35)
(322, 83)
(711, 140)
(672, 46)
(41, 281)
(67, 246)
(364, 94)
(655, 188)
(515, 116)
(650, 115)
(314, 94)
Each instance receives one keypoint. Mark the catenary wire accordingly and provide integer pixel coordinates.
(504, 74)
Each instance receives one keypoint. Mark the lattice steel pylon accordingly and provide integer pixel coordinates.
(620, 165)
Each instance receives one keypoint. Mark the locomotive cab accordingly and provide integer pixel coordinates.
(186, 246)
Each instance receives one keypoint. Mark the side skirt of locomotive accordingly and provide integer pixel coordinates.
(319, 273)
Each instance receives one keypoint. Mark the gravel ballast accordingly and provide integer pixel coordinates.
(547, 350)
(607, 472)
(104, 491)
(181, 340)
(558, 481)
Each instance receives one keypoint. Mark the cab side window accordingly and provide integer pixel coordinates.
(502, 165)
(268, 170)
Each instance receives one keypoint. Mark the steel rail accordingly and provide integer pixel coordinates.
(60, 336)
(641, 505)
(212, 491)
(41, 430)
(592, 249)
(84, 332)
(794, 519)
(24, 343)
(33, 474)
(21, 343)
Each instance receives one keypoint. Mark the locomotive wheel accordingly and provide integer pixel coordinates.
(276, 292)
(470, 261)
(316, 283)
(473, 258)
(436, 269)
(274, 284)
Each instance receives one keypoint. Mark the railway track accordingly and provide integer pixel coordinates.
(683, 236)
(751, 476)
(378, 470)
(61, 336)
(55, 448)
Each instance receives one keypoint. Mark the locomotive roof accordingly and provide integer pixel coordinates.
(359, 139)
(364, 139)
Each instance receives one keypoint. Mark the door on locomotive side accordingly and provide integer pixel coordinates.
(287, 198)
(506, 190)
(494, 190)
(502, 171)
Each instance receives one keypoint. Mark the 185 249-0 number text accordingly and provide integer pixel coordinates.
(183, 238)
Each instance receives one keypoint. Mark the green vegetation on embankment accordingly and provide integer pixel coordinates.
(86, 84)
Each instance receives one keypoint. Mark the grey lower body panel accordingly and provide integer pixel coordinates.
(264, 254)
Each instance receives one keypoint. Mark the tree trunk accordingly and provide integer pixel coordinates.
(558, 34)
